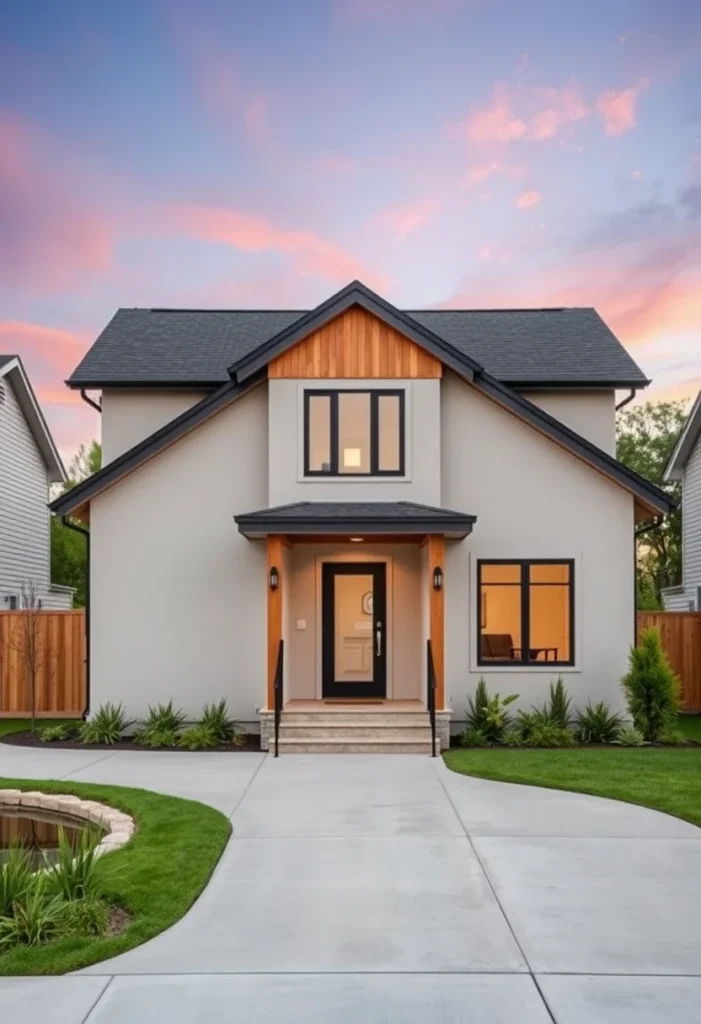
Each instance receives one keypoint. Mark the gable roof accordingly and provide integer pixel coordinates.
(196, 348)
(251, 370)
(11, 368)
(686, 443)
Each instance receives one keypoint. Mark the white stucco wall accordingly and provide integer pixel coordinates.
(129, 416)
(422, 482)
(404, 633)
(178, 595)
(533, 500)
(590, 413)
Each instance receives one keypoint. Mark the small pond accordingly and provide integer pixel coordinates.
(37, 831)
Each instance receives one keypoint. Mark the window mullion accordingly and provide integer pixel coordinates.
(333, 431)
(374, 431)
(525, 612)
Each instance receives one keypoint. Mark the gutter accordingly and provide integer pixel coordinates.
(86, 533)
(639, 531)
(626, 400)
(91, 401)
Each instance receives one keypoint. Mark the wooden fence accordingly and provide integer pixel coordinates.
(60, 682)
(681, 639)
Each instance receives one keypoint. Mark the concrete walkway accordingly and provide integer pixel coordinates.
(387, 889)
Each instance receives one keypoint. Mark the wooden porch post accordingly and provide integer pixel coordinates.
(436, 557)
(274, 552)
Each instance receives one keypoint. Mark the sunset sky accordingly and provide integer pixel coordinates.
(468, 153)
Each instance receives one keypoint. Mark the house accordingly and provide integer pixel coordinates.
(29, 464)
(357, 482)
(685, 465)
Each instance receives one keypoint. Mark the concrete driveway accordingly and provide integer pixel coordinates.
(388, 889)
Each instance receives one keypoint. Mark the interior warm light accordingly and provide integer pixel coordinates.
(352, 458)
(356, 540)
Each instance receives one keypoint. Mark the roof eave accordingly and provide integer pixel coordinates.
(674, 470)
(15, 372)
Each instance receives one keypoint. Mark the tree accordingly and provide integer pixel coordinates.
(68, 549)
(29, 640)
(650, 686)
(645, 437)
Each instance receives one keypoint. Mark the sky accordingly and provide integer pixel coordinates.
(448, 153)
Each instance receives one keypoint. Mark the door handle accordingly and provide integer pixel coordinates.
(378, 640)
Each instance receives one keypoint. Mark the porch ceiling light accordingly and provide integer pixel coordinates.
(356, 540)
(352, 458)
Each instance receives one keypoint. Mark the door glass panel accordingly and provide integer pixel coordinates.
(353, 657)
(388, 428)
(353, 432)
(320, 433)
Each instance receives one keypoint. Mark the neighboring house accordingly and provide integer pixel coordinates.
(29, 464)
(357, 481)
(685, 465)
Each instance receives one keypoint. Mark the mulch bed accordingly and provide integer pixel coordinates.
(30, 739)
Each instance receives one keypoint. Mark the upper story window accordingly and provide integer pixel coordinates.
(354, 433)
(526, 612)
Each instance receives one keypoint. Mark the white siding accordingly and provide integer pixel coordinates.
(691, 535)
(178, 595)
(590, 413)
(129, 416)
(533, 499)
(423, 446)
(24, 491)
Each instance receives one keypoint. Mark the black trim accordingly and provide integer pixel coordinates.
(590, 384)
(354, 294)
(330, 687)
(76, 384)
(375, 395)
(525, 584)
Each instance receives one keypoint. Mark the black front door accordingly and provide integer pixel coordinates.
(354, 629)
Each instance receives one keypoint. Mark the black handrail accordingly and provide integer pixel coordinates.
(277, 691)
(431, 694)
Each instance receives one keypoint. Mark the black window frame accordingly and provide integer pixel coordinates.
(525, 584)
(375, 395)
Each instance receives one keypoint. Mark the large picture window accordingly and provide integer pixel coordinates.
(525, 612)
(354, 433)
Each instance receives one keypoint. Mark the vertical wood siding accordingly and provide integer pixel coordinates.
(353, 346)
(60, 685)
(681, 639)
(24, 492)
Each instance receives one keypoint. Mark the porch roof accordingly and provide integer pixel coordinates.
(340, 518)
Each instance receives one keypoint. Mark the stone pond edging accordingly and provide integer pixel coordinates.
(119, 827)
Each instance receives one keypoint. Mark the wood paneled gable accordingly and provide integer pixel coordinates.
(355, 345)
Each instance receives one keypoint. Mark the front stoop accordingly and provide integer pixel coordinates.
(356, 731)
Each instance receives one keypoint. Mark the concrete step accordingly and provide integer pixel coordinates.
(354, 731)
(339, 746)
(363, 717)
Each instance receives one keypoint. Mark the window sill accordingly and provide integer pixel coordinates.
(553, 667)
(321, 478)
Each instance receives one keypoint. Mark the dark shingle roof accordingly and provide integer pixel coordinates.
(4, 360)
(517, 346)
(341, 517)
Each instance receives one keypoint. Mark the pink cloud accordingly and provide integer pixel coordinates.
(519, 113)
(311, 253)
(497, 122)
(47, 347)
(481, 172)
(530, 198)
(47, 237)
(404, 220)
(619, 109)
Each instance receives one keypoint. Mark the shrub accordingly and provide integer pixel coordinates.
(672, 737)
(155, 738)
(527, 721)
(106, 726)
(558, 708)
(629, 736)
(651, 688)
(87, 916)
(548, 734)
(473, 738)
(487, 714)
(161, 726)
(53, 733)
(73, 875)
(15, 877)
(198, 737)
(512, 738)
(34, 918)
(597, 724)
(216, 718)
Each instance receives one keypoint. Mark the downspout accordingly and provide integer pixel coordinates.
(628, 398)
(91, 401)
(86, 533)
(639, 531)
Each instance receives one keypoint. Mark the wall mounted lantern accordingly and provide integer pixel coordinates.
(274, 578)
(438, 578)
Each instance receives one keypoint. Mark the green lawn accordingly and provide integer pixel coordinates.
(668, 779)
(8, 725)
(690, 725)
(156, 877)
